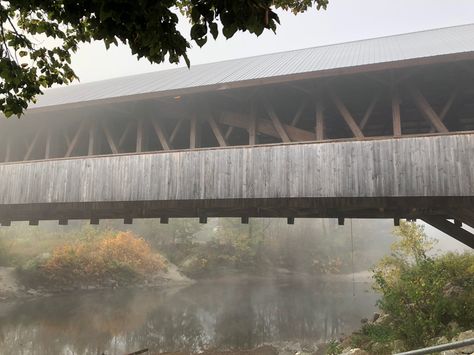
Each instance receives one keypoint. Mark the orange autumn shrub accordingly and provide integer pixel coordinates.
(119, 258)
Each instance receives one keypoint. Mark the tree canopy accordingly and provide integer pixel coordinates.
(39, 36)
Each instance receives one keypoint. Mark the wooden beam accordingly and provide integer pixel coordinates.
(47, 149)
(91, 147)
(265, 126)
(217, 131)
(277, 124)
(194, 133)
(451, 229)
(426, 109)
(139, 138)
(75, 139)
(467, 217)
(346, 115)
(32, 144)
(66, 138)
(319, 128)
(397, 124)
(228, 132)
(447, 106)
(368, 112)
(175, 130)
(161, 135)
(298, 114)
(252, 129)
(127, 130)
(110, 138)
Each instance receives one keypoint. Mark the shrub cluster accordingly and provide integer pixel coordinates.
(111, 258)
(425, 296)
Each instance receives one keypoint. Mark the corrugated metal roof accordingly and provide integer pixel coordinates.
(438, 42)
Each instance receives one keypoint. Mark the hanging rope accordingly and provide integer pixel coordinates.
(352, 257)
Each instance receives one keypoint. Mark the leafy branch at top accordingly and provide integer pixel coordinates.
(38, 37)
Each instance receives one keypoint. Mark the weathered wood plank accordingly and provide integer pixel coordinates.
(406, 167)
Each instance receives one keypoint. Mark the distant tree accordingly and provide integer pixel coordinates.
(39, 36)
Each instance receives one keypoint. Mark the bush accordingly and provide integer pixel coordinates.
(423, 294)
(119, 257)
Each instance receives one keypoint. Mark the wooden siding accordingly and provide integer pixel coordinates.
(407, 167)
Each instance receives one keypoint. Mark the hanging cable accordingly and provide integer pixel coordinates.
(352, 262)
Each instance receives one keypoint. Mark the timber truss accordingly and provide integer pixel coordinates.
(421, 100)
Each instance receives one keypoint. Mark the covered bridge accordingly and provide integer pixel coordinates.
(378, 128)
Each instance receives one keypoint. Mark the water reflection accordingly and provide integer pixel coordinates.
(238, 313)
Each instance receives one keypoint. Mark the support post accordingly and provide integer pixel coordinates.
(397, 125)
(91, 148)
(319, 118)
(194, 133)
(139, 140)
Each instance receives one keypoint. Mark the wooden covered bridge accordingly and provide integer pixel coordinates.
(379, 128)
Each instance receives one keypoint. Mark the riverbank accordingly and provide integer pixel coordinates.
(12, 289)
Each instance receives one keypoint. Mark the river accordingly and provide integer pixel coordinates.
(237, 313)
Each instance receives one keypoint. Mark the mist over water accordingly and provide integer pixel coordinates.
(228, 314)
(303, 293)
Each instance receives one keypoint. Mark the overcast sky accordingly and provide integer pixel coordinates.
(344, 20)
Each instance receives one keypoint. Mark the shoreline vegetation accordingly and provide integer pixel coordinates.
(425, 298)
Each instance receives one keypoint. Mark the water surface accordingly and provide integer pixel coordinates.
(234, 313)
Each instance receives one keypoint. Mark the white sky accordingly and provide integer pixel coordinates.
(344, 20)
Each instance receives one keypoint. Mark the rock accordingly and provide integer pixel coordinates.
(439, 341)
(364, 320)
(382, 319)
(465, 336)
(375, 316)
(398, 346)
(355, 351)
